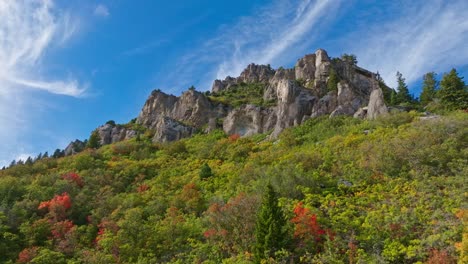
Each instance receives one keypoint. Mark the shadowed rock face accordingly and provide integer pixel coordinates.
(300, 93)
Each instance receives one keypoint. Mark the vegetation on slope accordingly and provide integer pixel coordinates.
(241, 94)
(351, 191)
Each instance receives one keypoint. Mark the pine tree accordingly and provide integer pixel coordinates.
(94, 140)
(453, 93)
(403, 96)
(349, 58)
(57, 154)
(393, 98)
(429, 88)
(333, 80)
(29, 161)
(205, 171)
(270, 231)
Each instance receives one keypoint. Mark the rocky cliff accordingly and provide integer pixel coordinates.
(316, 86)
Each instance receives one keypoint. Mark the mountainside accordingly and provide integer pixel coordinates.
(335, 190)
(302, 165)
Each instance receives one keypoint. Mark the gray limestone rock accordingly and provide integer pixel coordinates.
(305, 69)
(168, 129)
(256, 73)
(376, 104)
(294, 103)
(248, 120)
(110, 133)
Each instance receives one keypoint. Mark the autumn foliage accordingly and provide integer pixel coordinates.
(306, 229)
(73, 177)
(57, 206)
(27, 254)
(234, 137)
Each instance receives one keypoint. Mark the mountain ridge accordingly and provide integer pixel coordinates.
(317, 85)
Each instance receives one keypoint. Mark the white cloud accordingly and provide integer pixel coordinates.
(425, 36)
(101, 10)
(28, 31)
(271, 35)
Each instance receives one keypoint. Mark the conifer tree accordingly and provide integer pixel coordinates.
(403, 96)
(270, 231)
(453, 93)
(94, 140)
(333, 80)
(205, 171)
(429, 88)
(393, 98)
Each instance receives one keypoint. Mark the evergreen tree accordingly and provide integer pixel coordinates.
(403, 96)
(333, 80)
(58, 154)
(349, 58)
(46, 155)
(29, 161)
(393, 98)
(270, 230)
(429, 88)
(205, 171)
(453, 93)
(94, 140)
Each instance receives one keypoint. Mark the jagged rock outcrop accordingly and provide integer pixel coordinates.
(294, 105)
(111, 133)
(292, 96)
(305, 69)
(252, 74)
(74, 147)
(179, 116)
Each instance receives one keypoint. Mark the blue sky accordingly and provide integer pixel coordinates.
(67, 67)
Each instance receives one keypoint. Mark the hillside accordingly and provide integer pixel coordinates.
(389, 190)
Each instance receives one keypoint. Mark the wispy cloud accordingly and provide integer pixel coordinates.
(101, 10)
(145, 48)
(423, 36)
(28, 30)
(270, 35)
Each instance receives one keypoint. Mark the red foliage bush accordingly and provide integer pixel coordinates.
(234, 137)
(307, 231)
(57, 206)
(27, 254)
(60, 229)
(73, 177)
(62, 200)
(142, 188)
(440, 257)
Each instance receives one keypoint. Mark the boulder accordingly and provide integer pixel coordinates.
(376, 105)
